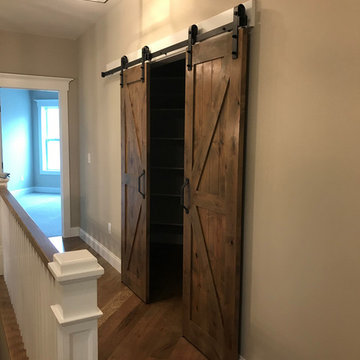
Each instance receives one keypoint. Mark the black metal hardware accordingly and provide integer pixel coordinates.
(193, 31)
(185, 43)
(124, 62)
(139, 184)
(240, 19)
(182, 202)
(145, 55)
(4, 175)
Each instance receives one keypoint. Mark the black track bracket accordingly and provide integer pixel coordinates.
(240, 20)
(124, 62)
(192, 35)
(145, 56)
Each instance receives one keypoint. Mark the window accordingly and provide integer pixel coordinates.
(49, 136)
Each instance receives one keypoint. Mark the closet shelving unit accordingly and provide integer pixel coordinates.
(167, 99)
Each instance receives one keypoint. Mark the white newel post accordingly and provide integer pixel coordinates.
(77, 313)
(3, 183)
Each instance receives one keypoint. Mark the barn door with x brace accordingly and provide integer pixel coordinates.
(135, 180)
(214, 148)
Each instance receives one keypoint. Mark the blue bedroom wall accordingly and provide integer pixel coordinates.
(16, 119)
(41, 180)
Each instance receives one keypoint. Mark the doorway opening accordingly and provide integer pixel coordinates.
(30, 131)
(167, 119)
(52, 86)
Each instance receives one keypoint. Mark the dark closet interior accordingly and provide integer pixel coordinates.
(167, 118)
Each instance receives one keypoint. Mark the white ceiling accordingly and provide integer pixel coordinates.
(57, 18)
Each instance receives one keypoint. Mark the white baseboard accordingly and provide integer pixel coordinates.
(109, 256)
(73, 232)
(20, 192)
(36, 189)
(47, 190)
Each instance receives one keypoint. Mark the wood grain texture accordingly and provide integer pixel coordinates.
(214, 148)
(39, 241)
(10, 327)
(131, 329)
(134, 161)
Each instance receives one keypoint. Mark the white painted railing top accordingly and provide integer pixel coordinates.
(54, 295)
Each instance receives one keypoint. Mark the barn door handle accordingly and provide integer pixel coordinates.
(186, 183)
(139, 184)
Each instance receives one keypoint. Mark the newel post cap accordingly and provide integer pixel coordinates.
(75, 265)
(3, 182)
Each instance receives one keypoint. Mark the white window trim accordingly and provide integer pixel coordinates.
(40, 103)
(61, 85)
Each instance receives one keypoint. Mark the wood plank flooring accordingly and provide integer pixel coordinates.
(9, 328)
(132, 330)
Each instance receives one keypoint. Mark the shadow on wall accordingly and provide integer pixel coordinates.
(249, 329)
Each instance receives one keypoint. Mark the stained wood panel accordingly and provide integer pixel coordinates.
(134, 162)
(214, 147)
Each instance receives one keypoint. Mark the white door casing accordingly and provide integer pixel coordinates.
(33, 82)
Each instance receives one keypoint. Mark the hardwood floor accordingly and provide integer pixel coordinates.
(11, 343)
(132, 330)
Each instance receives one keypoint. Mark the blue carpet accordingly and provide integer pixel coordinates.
(45, 210)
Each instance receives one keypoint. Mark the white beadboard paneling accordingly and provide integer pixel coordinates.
(31, 287)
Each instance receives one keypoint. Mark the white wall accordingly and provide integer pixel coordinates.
(302, 229)
(47, 56)
(16, 128)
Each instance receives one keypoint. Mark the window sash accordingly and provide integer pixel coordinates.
(44, 122)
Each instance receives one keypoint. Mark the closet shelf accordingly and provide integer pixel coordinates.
(168, 78)
(167, 139)
(166, 224)
(166, 195)
(166, 168)
(168, 109)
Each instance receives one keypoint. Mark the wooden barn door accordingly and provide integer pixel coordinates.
(134, 182)
(214, 147)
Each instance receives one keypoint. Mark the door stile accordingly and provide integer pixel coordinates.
(135, 212)
(188, 164)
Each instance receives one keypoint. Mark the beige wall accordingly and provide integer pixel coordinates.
(39, 55)
(302, 233)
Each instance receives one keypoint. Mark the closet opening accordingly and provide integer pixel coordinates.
(167, 118)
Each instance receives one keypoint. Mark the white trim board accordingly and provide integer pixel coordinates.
(109, 256)
(225, 17)
(17, 81)
(35, 189)
(46, 190)
(23, 191)
(34, 82)
(1, 260)
(74, 231)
